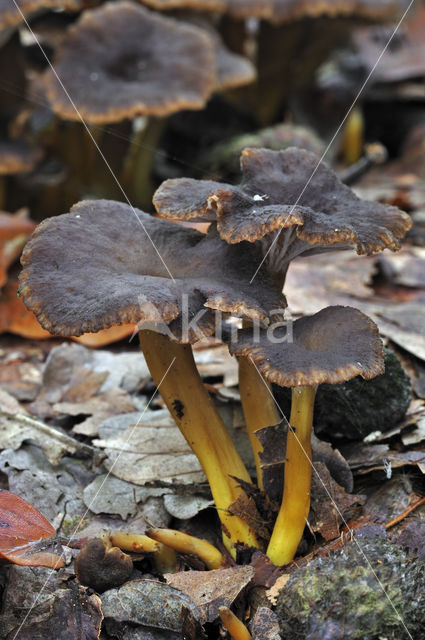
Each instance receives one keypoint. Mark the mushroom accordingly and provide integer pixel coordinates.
(289, 203)
(121, 61)
(105, 263)
(10, 11)
(334, 345)
(16, 156)
(159, 67)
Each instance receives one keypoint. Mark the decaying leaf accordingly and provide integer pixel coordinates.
(16, 428)
(107, 494)
(152, 606)
(73, 615)
(265, 625)
(210, 590)
(150, 449)
(329, 503)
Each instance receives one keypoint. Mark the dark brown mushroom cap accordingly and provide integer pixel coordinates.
(18, 156)
(100, 265)
(121, 60)
(233, 70)
(334, 345)
(287, 189)
(10, 15)
(286, 10)
(404, 57)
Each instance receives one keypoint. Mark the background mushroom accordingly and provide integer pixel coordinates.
(123, 61)
(135, 268)
(332, 346)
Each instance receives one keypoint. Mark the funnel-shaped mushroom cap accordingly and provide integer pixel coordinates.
(105, 263)
(233, 70)
(333, 346)
(121, 60)
(10, 15)
(286, 10)
(404, 57)
(288, 190)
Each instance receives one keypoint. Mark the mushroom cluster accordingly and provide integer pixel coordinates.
(105, 263)
(131, 267)
(289, 204)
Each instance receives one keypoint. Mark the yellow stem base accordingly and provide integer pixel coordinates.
(258, 405)
(197, 418)
(293, 513)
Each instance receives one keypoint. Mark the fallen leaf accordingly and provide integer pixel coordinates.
(17, 428)
(329, 503)
(107, 494)
(22, 526)
(265, 625)
(148, 450)
(209, 590)
(74, 614)
(152, 605)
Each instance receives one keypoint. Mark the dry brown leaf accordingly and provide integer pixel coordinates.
(210, 590)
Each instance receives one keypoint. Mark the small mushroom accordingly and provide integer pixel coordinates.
(105, 263)
(332, 346)
(101, 566)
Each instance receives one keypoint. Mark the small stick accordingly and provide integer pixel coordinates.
(405, 513)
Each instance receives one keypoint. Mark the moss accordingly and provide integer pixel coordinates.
(341, 594)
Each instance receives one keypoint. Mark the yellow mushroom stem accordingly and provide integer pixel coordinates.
(138, 543)
(185, 543)
(258, 405)
(174, 371)
(165, 559)
(353, 137)
(293, 513)
(233, 625)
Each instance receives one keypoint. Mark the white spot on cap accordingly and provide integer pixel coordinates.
(94, 76)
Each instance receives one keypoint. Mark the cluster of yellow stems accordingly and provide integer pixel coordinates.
(174, 372)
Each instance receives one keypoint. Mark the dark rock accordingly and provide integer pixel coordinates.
(355, 408)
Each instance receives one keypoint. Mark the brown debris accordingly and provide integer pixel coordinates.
(210, 590)
(121, 61)
(329, 503)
